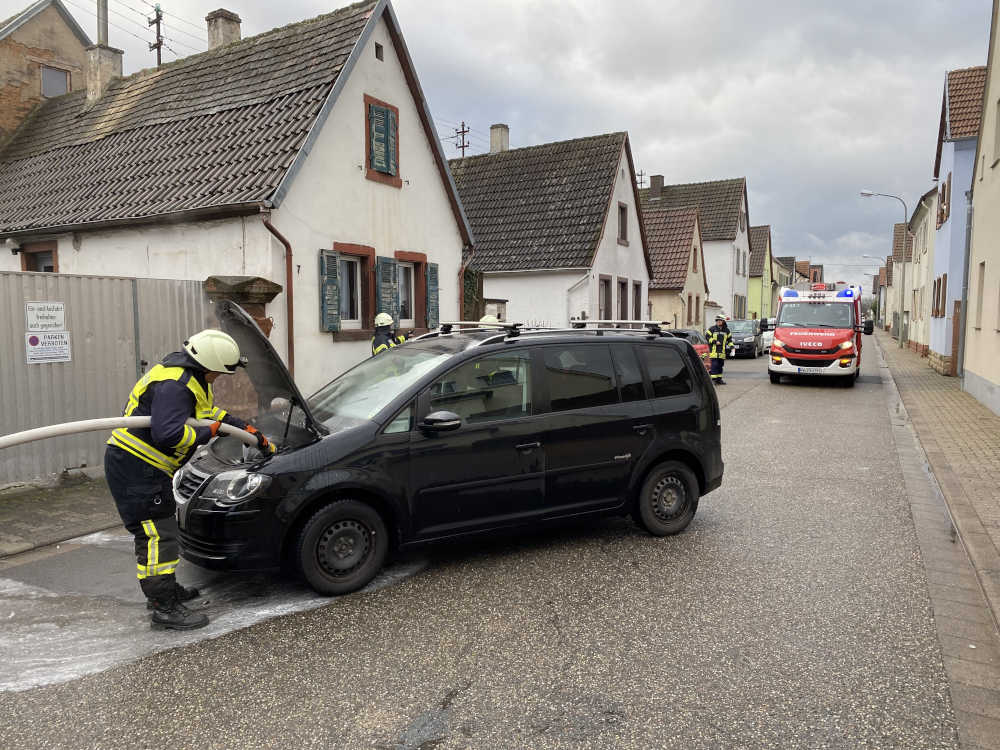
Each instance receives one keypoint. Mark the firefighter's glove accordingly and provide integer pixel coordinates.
(214, 428)
(262, 442)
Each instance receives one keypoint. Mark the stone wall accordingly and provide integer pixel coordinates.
(940, 363)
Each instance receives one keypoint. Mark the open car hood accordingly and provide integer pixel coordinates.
(264, 387)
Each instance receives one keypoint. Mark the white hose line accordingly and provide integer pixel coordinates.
(109, 423)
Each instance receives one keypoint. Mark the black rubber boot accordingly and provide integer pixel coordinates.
(175, 616)
(168, 612)
(184, 594)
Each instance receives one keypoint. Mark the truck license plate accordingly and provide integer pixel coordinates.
(811, 369)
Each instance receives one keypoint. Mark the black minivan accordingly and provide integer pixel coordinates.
(451, 434)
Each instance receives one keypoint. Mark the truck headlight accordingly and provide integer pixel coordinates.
(847, 344)
(778, 343)
(234, 487)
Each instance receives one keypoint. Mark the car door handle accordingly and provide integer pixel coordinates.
(642, 429)
(528, 446)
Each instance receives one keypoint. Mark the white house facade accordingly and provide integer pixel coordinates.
(725, 225)
(550, 253)
(334, 190)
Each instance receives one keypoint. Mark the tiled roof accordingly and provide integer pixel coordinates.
(670, 236)
(788, 261)
(802, 267)
(10, 25)
(214, 129)
(965, 101)
(759, 239)
(888, 271)
(881, 276)
(540, 207)
(718, 203)
(897, 243)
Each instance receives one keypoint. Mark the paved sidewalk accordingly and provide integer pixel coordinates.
(33, 517)
(961, 438)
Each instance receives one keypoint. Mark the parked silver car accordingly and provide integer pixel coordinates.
(767, 337)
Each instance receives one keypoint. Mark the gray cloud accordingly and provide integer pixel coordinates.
(811, 101)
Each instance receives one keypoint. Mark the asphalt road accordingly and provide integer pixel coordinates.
(793, 613)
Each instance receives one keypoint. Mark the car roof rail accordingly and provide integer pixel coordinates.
(474, 326)
(650, 330)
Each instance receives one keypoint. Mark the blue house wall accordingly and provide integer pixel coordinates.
(957, 157)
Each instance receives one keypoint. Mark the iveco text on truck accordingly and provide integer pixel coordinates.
(818, 332)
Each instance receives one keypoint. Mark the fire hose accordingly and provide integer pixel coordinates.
(110, 423)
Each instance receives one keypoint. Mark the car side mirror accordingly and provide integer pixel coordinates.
(441, 421)
(869, 327)
(763, 326)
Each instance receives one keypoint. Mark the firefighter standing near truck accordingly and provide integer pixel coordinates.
(139, 463)
(719, 341)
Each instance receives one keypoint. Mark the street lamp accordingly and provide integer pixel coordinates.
(902, 275)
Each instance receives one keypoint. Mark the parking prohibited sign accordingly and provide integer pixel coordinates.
(51, 346)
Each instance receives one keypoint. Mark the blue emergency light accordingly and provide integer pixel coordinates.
(790, 293)
(845, 293)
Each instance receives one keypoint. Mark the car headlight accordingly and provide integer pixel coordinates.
(778, 343)
(847, 345)
(234, 487)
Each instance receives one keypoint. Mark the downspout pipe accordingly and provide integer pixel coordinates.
(289, 295)
(110, 423)
(958, 347)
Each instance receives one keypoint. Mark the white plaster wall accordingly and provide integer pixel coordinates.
(9, 262)
(721, 271)
(332, 201)
(740, 275)
(621, 261)
(540, 298)
(922, 269)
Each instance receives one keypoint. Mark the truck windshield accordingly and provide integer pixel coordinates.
(816, 315)
(365, 390)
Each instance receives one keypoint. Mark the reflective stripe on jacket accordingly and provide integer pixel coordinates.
(719, 341)
(169, 395)
(382, 341)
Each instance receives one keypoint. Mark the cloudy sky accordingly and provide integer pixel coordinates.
(811, 101)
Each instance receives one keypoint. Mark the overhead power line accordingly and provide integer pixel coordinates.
(177, 30)
(199, 26)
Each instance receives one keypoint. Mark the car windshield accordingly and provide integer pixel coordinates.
(365, 390)
(741, 326)
(816, 315)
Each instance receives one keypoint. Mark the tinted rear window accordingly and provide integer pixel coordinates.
(667, 371)
(629, 373)
(579, 376)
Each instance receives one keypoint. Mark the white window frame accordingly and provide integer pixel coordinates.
(349, 324)
(407, 322)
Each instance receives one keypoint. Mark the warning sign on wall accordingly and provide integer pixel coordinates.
(45, 316)
(50, 346)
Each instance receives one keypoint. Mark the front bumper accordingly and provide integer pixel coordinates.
(242, 537)
(825, 366)
(748, 348)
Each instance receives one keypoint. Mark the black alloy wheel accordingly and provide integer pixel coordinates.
(342, 547)
(668, 499)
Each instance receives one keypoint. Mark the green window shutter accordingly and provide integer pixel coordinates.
(433, 307)
(386, 287)
(329, 291)
(391, 141)
(378, 121)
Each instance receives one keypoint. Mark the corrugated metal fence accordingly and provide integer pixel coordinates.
(113, 325)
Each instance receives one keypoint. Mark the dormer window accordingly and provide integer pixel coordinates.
(55, 82)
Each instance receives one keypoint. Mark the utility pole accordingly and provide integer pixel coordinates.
(460, 142)
(158, 44)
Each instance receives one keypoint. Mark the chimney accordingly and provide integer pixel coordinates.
(223, 28)
(104, 64)
(655, 185)
(499, 138)
(102, 22)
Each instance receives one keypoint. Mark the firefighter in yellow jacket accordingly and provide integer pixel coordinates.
(719, 341)
(139, 463)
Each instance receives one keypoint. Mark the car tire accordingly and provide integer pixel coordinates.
(668, 499)
(342, 547)
(847, 380)
(775, 377)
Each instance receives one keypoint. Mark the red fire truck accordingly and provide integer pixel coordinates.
(818, 332)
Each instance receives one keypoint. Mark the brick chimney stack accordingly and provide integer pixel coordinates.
(223, 28)
(499, 138)
(655, 185)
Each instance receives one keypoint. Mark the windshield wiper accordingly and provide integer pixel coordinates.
(828, 325)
